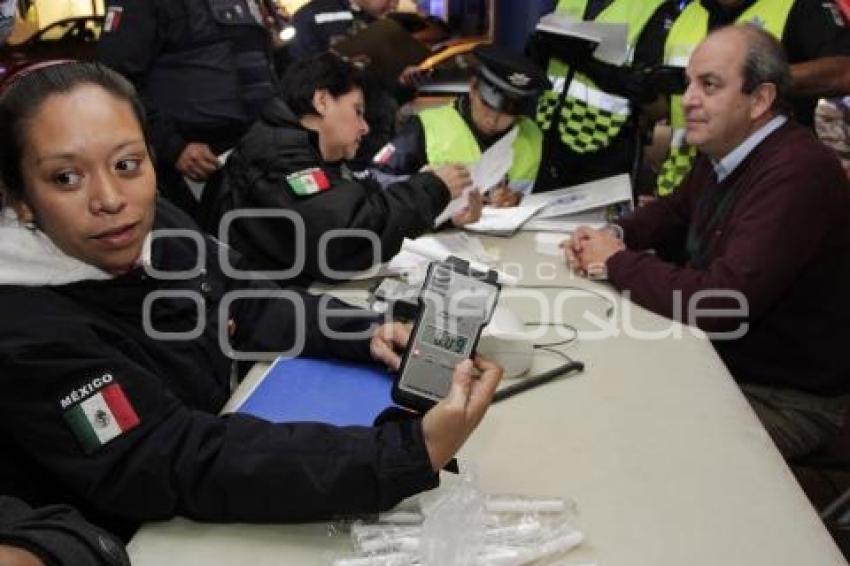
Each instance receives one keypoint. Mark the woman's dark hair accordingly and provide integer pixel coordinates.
(23, 95)
(326, 71)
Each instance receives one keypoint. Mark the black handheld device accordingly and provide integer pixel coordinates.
(455, 304)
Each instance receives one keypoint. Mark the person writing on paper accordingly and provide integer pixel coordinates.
(754, 247)
(119, 324)
(294, 159)
(503, 87)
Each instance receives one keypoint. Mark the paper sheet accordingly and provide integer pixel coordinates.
(504, 220)
(596, 218)
(486, 173)
(611, 38)
(549, 243)
(458, 244)
(582, 198)
(454, 206)
(495, 163)
(554, 205)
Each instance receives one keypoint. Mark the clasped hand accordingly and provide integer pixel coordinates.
(588, 250)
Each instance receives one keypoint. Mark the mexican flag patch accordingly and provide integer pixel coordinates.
(112, 21)
(384, 155)
(102, 417)
(308, 182)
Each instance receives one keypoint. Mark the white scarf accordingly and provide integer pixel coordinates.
(28, 257)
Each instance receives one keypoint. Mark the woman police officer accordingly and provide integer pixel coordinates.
(294, 160)
(113, 341)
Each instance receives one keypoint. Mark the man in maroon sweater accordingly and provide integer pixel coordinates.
(759, 232)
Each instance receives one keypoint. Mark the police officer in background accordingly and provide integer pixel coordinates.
(321, 23)
(203, 68)
(505, 85)
(588, 117)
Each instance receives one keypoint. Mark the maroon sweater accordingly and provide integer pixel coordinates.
(784, 244)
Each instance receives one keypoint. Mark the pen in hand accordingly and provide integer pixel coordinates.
(541, 379)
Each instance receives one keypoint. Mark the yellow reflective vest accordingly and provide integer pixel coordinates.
(448, 139)
(589, 117)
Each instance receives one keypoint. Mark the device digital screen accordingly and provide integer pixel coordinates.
(443, 339)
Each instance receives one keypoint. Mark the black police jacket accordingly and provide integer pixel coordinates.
(321, 23)
(267, 172)
(203, 67)
(58, 535)
(63, 346)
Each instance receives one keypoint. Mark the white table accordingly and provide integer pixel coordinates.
(654, 442)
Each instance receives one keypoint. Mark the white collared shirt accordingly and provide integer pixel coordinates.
(728, 164)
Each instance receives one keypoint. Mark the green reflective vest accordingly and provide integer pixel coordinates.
(590, 118)
(690, 28)
(448, 139)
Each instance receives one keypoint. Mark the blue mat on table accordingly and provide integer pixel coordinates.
(327, 391)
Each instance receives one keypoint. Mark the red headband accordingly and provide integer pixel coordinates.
(21, 72)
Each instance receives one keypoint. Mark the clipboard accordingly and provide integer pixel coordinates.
(389, 47)
(327, 391)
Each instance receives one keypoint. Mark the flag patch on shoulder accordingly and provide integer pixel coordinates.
(112, 21)
(383, 156)
(104, 413)
(837, 12)
(308, 181)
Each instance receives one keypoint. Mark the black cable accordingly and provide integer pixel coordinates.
(556, 352)
(609, 310)
(569, 327)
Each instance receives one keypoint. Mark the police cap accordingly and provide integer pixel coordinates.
(507, 81)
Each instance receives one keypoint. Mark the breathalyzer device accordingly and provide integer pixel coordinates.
(455, 304)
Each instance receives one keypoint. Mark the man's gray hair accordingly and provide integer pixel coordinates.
(766, 62)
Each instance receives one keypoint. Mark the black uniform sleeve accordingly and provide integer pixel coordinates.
(270, 320)
(406, 154)
(58, 535)
(403, 209)
(308, 42)
(174, 460)
(815, 28)
(318, 326)
(132, 48)
(649, 50)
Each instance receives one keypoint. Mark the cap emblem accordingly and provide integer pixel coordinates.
(519, 79)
